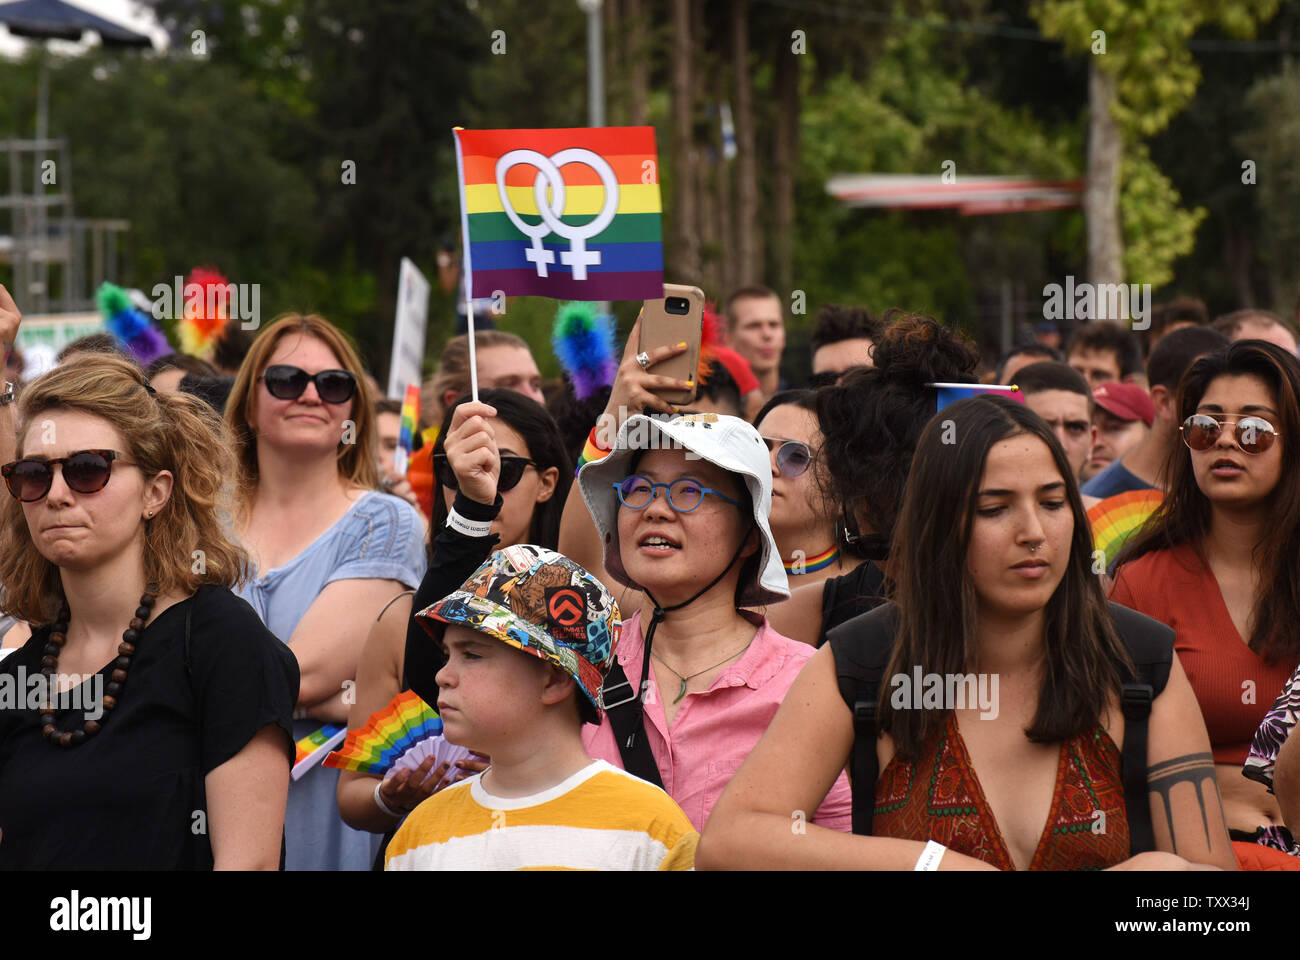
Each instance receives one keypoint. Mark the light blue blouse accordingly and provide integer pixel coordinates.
(381, 537)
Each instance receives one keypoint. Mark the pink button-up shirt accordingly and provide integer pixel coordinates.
(715, 729)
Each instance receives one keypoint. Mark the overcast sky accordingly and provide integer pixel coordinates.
(129, 13)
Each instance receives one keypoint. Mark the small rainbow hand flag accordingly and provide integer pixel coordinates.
(376, 745)
(311, 749)
(1117, 519)
(571, 214)
(410, 415)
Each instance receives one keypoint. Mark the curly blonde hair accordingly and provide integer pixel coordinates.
(161, 431)
(356, 460)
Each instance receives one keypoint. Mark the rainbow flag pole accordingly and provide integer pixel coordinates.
(466, 266)
(570, 214)
(947, 393)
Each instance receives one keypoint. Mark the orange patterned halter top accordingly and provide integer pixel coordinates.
(939, 798)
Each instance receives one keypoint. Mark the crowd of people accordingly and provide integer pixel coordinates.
(811, 619)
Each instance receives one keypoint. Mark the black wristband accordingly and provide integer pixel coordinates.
(473, 510)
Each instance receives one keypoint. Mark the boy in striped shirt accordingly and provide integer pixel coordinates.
(529, 639)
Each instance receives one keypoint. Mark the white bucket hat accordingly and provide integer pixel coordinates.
(727, 442)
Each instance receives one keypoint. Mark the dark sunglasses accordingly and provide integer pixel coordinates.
(1253, 435)
(84, 471)
(827, 378)
(287, 383)
(793, 457)
(512, 471)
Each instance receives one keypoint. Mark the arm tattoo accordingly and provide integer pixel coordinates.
(1193, 768)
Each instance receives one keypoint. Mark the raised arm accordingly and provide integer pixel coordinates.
(763, 820)
(10, 318)
(472, 453)
(630, 394)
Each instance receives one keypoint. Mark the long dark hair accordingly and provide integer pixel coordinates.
(1183, 517)
(871, 420)
(531, 421)
(1084, 657)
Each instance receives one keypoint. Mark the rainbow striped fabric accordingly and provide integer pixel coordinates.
(572, 214)
(1116, 519)
(376, 745)
(406, 434)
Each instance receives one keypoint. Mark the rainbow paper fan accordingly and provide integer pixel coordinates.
(1117, 519)
(203, 315)
(378, 744)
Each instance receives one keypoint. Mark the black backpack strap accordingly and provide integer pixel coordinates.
(861, 647)
(622, 707)
(1151, 646)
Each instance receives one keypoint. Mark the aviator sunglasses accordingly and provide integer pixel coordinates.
(84, 471)
(793, 457)
(1253, 435)
(285, 382)
(512, 471)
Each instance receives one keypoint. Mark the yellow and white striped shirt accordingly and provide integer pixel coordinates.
(601, 818)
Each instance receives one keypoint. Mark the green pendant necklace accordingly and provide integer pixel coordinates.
(684, 680)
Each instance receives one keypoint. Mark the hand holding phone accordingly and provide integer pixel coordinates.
(675, 319)
(635, 387)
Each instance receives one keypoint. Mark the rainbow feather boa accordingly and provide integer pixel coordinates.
(131, 326)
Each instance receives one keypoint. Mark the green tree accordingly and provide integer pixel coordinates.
(1272, 141)
(911, 113)
(1143, 75)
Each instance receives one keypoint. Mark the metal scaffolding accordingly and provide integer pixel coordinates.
(58, 260)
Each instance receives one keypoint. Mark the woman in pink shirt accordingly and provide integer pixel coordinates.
(680, 512)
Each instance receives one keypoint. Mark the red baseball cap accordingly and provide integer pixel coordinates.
(1128, 401)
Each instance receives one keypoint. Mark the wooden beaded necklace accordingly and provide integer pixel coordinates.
(116, 680)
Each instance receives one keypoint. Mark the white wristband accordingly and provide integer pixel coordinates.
(379, 802)
(471, 528)
(930, 856)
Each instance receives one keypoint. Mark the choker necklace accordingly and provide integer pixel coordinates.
(813, 564)
(682, 692)
(126, 649)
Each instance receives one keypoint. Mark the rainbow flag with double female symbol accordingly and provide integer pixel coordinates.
(572, 214)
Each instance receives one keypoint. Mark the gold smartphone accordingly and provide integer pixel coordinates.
(677, 317)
